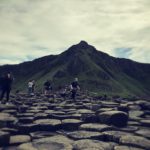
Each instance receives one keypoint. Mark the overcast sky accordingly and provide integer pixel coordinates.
(33, 28)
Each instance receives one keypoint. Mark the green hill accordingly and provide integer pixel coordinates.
(97, 71)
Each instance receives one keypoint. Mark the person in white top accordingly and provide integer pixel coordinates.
(30, 87)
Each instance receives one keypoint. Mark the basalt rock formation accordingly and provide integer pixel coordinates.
(40, 122)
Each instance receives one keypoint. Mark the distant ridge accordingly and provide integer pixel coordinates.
(97, 71)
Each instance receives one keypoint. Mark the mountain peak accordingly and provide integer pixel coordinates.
(81, 46)
(83, 43)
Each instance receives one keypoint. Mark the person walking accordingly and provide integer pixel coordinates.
(1, 81)
(6, 83)
(33, 87)
(63, 91)
(30, 88)
(74, 88)
(47, 87)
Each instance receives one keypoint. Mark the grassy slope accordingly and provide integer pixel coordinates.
(96, 72)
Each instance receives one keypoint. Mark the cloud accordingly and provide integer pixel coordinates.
(31, 29)
(123, 52)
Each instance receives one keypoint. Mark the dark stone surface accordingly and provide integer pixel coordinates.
(33, 123)
(71, 124)
(136, 141)
(117, 118)
(41, 134)
(92, 145)
(48, 124)
(78, 135)
(7, 120)
(96, 127)
(145, 132)
(53, 143)
(19, 139)
(114, 136)
(4, 138)
(126, 148)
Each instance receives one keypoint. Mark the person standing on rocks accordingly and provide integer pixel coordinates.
(74, 88)
(33, 86)
(6, 83)
(1, 80)
(30, 87)
(63, 92)
(47, 87)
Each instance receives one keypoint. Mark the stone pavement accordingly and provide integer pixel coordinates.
(39, 123)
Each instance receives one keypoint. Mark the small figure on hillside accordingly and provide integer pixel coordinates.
(47, 87)
(30, 88)
(33, 86)
(6, 83)
(74, 88)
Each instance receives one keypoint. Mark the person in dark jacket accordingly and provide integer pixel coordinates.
(74, 88)
(1, 80)
(6, 83)
(47, 87)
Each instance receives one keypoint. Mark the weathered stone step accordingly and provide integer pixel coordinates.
(26, 119)
(19, 139)
(71, 124)
(78, 135)
(7, 107)
(12, 131)
(117, 118)
(25, 114)
(48, 124)
(145, 132)
(95, 127)
(40, 116)
(87, 144)
(41, 134)
(114, 136)
(27, 128)
(4, 138)
(61, 117)
(136, 141)
(10, 111)
(126, 148)
(53, 143)
(7, 120)
(145, 122)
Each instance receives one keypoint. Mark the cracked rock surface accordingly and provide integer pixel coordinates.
(41, 123)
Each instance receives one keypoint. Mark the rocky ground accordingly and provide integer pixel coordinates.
(39, 123)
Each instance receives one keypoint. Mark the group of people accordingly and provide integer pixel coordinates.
(47, 88)
(7, 79)
(72, 88)
(31, 87)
